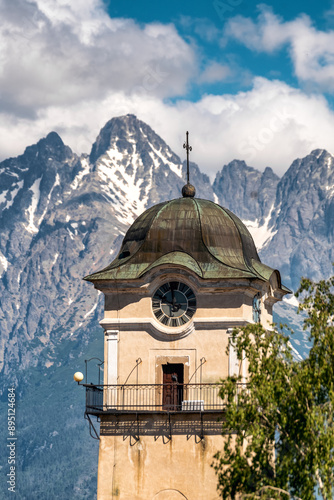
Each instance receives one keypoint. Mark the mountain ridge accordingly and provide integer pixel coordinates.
(59, 210)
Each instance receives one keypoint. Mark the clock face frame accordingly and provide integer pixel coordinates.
(174, 304)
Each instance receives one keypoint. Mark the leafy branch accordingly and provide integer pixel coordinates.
(279, 428)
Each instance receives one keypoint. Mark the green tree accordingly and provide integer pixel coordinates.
(279, 426)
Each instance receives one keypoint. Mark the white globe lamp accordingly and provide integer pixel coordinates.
(78, 376)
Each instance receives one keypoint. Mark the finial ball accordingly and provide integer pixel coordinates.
(188, 191)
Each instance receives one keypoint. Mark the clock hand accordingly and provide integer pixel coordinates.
(165, 301)
(176, 306)
(173, 301)
(170, 304)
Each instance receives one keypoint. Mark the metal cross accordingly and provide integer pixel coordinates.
(188, 148)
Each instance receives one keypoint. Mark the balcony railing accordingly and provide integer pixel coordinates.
(153, 398)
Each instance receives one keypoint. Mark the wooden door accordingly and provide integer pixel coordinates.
(172, 393)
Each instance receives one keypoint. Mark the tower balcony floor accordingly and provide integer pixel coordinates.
(153, 399)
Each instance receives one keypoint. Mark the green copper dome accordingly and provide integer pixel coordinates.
(196, 234)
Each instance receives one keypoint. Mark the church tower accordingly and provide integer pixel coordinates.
(187, 273)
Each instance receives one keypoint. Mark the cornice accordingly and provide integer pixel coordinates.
(160, 332)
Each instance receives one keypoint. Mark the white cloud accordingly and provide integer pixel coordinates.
(202, 27)
(214, 72)
(311, 50)
(271, 124)
(267, 35)
(67, 66)
(57, 52)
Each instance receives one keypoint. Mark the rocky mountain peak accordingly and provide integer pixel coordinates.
(54, 139)
(318, 152)
(128, 135)
(318, 165)
(269, 173)
(134, 166)
(49, 148)
(246, 191)
(303, 219)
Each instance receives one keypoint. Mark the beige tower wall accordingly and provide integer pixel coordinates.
(165, 456)
(143, 469)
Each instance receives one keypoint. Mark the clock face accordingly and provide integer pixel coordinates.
(174, 304)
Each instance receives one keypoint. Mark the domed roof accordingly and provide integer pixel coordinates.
(193, 233)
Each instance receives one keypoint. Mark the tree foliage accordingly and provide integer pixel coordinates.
(279, 426)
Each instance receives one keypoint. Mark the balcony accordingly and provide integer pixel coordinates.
(153, 398)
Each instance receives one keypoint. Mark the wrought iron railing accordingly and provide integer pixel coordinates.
(153, 397)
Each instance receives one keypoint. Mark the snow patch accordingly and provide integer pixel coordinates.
(91, 311)
(56, 183)
(3, 196)
(81, 174)
(55, 259)
(261, 234)
(292, 301)
(114, 154)
(215, 198)
(13, 193)
(124, 189)
(13, 174)
(295, 352)
(176, 168)
(30, 212)
(3, 264)
(19, 277)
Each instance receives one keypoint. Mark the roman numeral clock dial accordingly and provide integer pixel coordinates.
(174, 304)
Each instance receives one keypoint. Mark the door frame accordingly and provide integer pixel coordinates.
(172, 391)
(172, 360)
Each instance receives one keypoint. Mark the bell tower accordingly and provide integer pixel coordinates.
(187, 273)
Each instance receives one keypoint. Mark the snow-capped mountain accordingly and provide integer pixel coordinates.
(136, 169)
(245, 191)
(302, 221)
(291, 219)
(63, 216)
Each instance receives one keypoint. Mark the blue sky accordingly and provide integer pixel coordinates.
(203, 23)
(252, 81)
